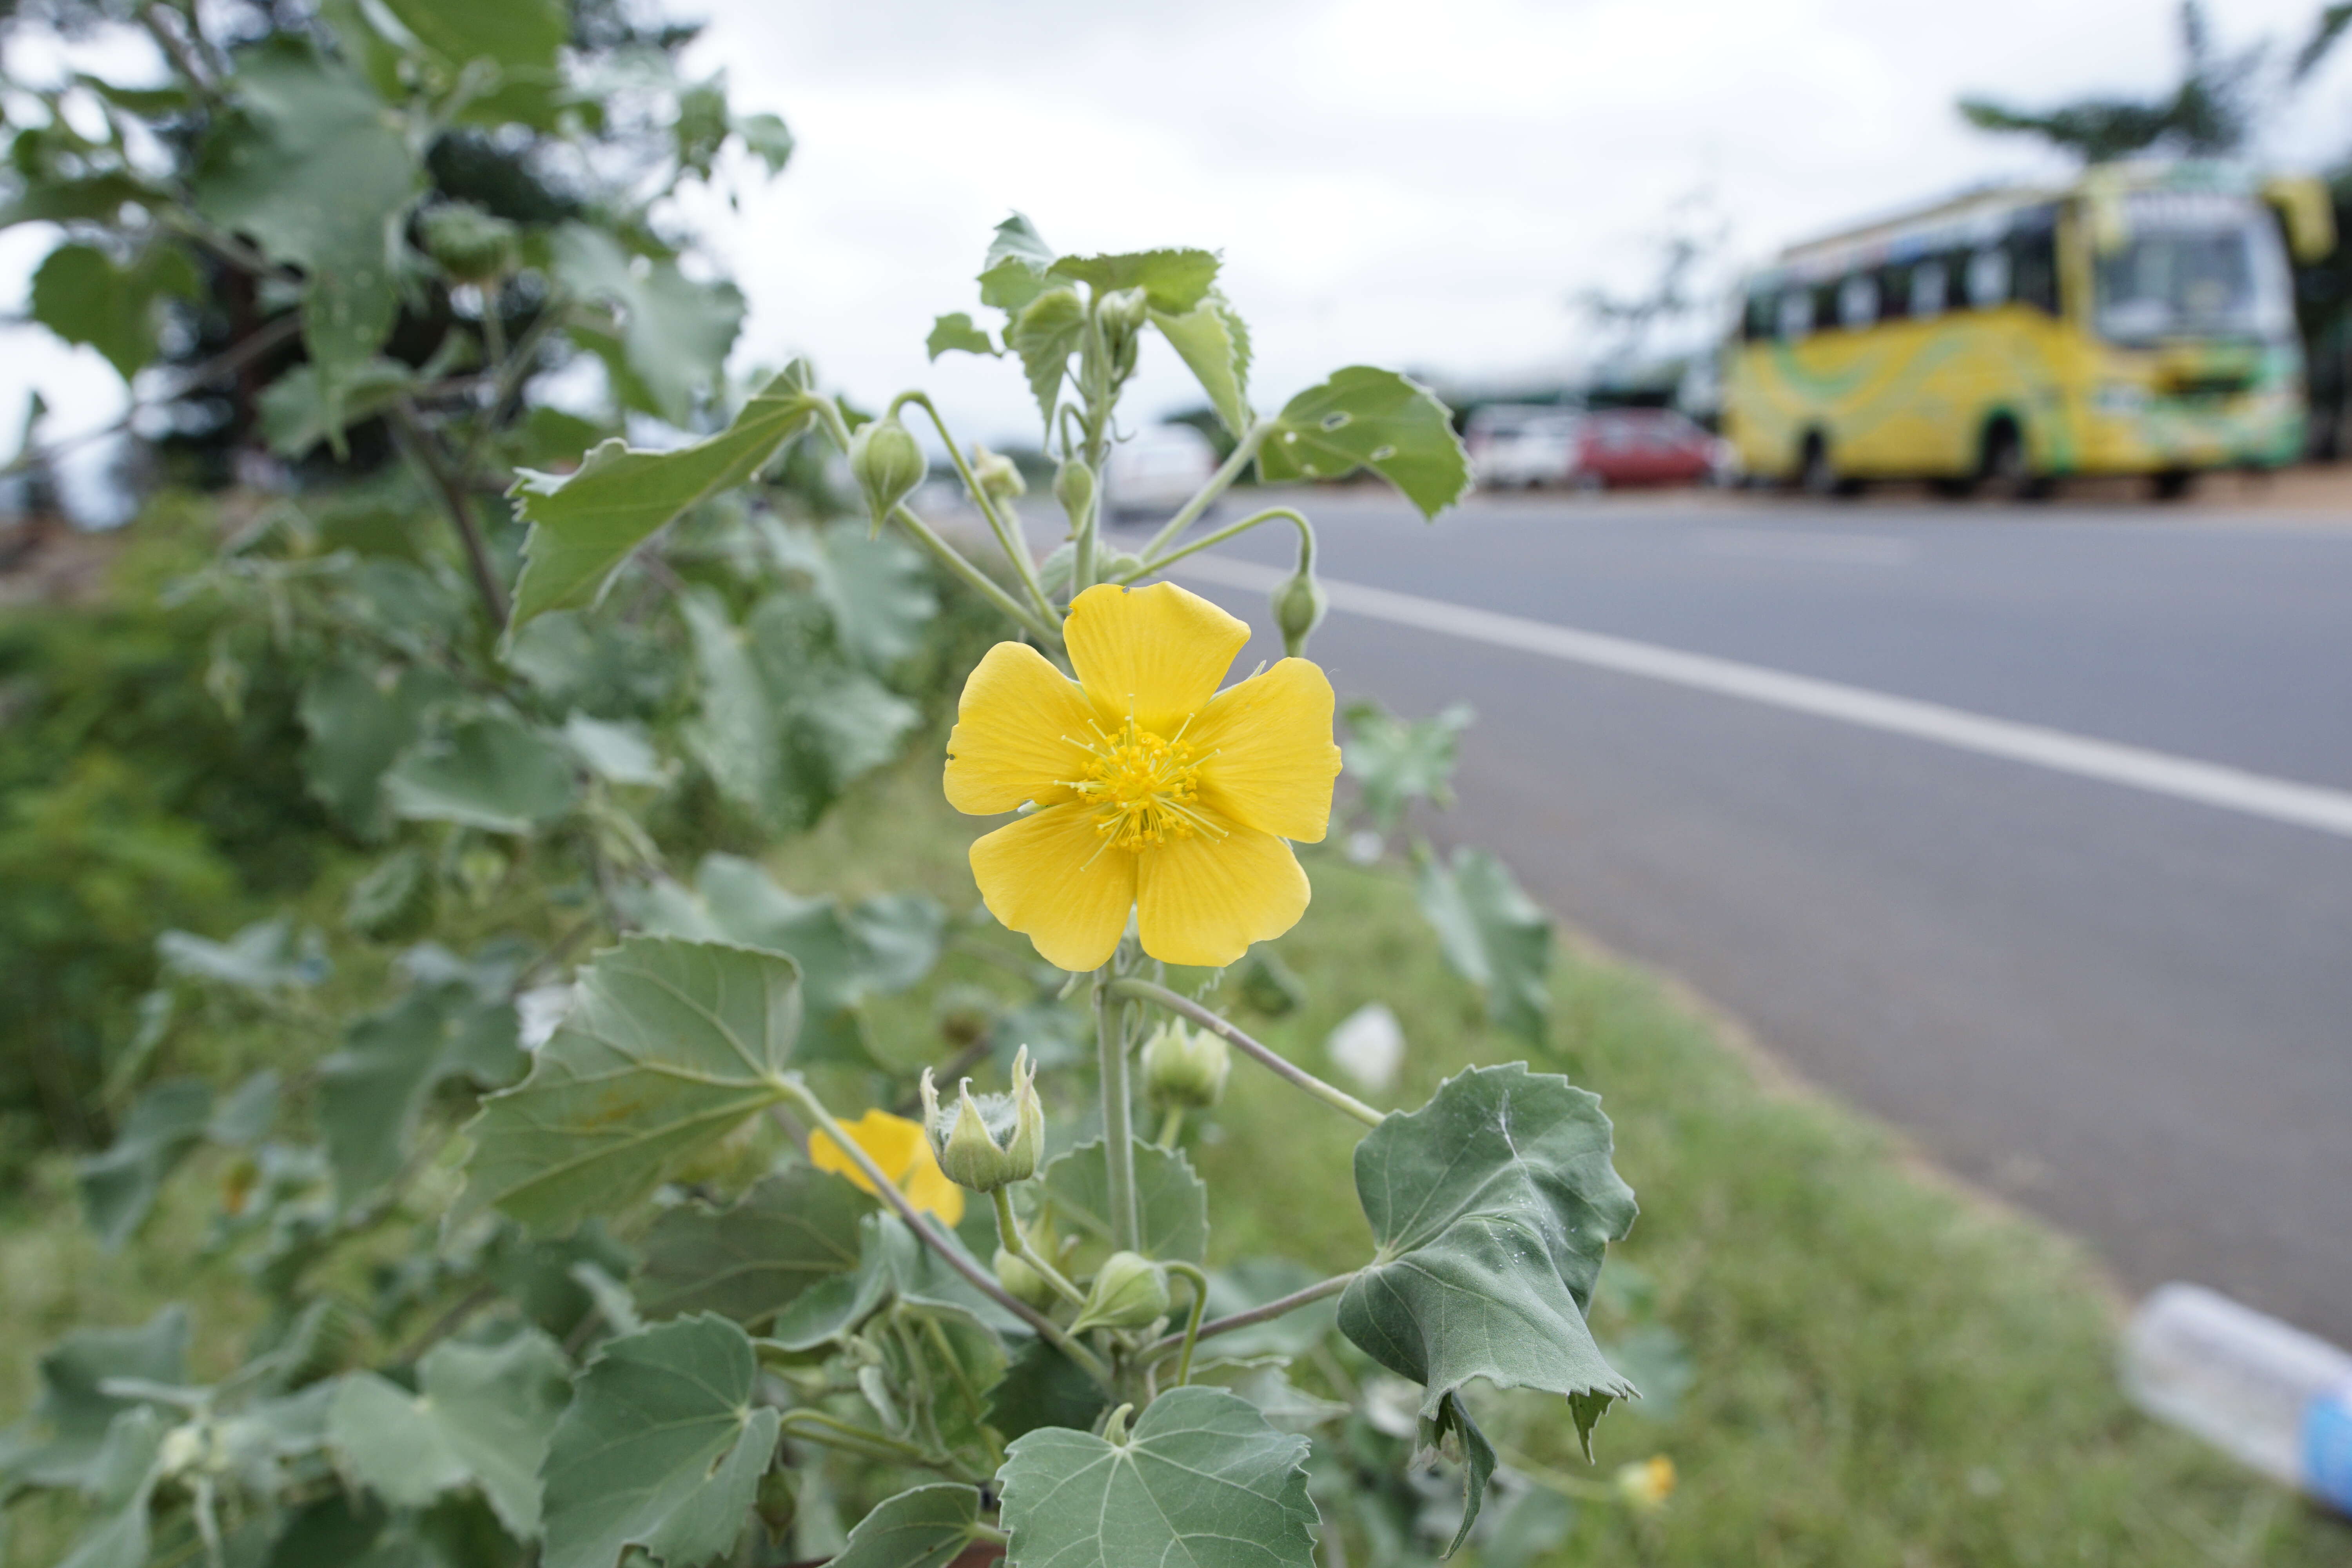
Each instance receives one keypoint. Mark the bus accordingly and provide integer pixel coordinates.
(2139, 321)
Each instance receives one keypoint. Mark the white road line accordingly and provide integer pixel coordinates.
(2160, 773)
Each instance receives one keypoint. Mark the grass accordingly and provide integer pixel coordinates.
(1888, 1371)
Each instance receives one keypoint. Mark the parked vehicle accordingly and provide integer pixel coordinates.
(1156, 470)
(1622, 447)
(2140, 320)
(1522, 446)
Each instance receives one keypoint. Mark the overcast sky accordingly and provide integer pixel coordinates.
(1401, 184)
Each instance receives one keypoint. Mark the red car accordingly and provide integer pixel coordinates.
(1625, 446)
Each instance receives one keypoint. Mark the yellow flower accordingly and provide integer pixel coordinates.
(899, 1146)
(1155, 792)
(1647, 1484)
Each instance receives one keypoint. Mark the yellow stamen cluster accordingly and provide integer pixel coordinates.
(1144, 788)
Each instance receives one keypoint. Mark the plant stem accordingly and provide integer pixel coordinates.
(1183, 1006)
(1275, 1309)
(1118, 1108)
(419, 446)
(1305, 540)
(980, 582)
(1008, 1229)
(1009, 537)
(841, 1435)
(1171, 1125)
(979, 1278)
(1199, 1283)
(1190, 512)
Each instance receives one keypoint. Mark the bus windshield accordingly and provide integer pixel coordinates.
(2194, 267)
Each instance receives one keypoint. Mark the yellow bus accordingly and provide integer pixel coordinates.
(2138, 321)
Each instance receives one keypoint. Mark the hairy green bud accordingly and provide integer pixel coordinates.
(1122, 313)
(1185, 1067)
(470, 245)
(1130, 1291)
(1299, 608)
(888, 463)
(1022, 1282)
(1000, 478)
(1074, 487)
(993, 1140)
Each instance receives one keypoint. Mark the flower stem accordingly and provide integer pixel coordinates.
(1118, 1113)
(792, 1088)
(980, 582)
(1009, 537)
(1190, 512)
(1185, 1007)
(1199, 1283)
(1009, 1230)
(1170, 1126)
(853, 1439)
(1305, 540)
(1160, 1348)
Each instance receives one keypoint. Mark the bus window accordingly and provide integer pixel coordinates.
(1857, 300)
(1928, 281)
(1988, 277)
(1894, 293)
(1758, 322)
(2033, 269)
(1796, 312)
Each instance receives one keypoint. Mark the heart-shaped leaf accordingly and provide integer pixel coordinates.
(1211, 339)
(1172, 280)
(954, 333)
(371, 1091)
(1376, 419)
(1171, 1206)
(1046, 333)
(1493, 1206)
(494, 772)
(921, 1528)
(1203, 1480)
(748, 1262)
(1494, 936)
(669, 1047)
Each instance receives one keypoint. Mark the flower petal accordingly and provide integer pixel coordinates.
(899, 1146)
(1156, 652)
(1269, 757)
(1020, 727)
(1051, 877)
(1202, 901)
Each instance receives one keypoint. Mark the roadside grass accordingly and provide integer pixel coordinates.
(1886, 1369)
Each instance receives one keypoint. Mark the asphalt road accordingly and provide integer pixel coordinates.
(2128, 1011)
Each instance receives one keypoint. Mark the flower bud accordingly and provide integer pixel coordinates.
(778, 1501)
(1645, 1486)
(1130, 1291)
(1185, 1067)
(888, 464)
(1124, 312)
(1022, 1282)
(470, 245)
(999, 477)
(991, 1141)
(1074, 487)
(1298, 607)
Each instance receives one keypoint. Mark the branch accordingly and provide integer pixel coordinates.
(229, 359)
(1185, 1007)
(1219, 481)
(421, 449)
(1159, 1349)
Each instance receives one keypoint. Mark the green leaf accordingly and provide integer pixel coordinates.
(517, 35)
(1493, 1205)
(357, 724)
(922, 1528)
(1043, 1387)
(1494, 936)
(1395, 761)
(1013, 272)
(1047, 333)
(482, 1416)
(1211, 339)
(1254, 1281)
(1375, 419)
(493, 772)
(79, 294)
(295, 413)
(618, 753)
(372, 1091)
(660, 1448)
(1283, 1402)
(583, 524)
(1203, 1479)
(956, 332)
(892, 1266)
(668, 1048)
(122, 1479)
(767, 138)
(1452, 1432)
(267, 956)
(119, 1187)
(95, 198)
(674, 334)
(1173, 280)
(877, 587)
(749, 1261)
(785, 724)
(1171, 1205)
(318, 174)
(70, 1419)
(845, 953)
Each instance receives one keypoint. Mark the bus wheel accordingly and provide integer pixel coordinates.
(2173, 484)
(2005, 472)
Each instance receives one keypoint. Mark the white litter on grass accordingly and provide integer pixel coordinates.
(540, 1012)
(1369, 1047)
(1365, 846)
